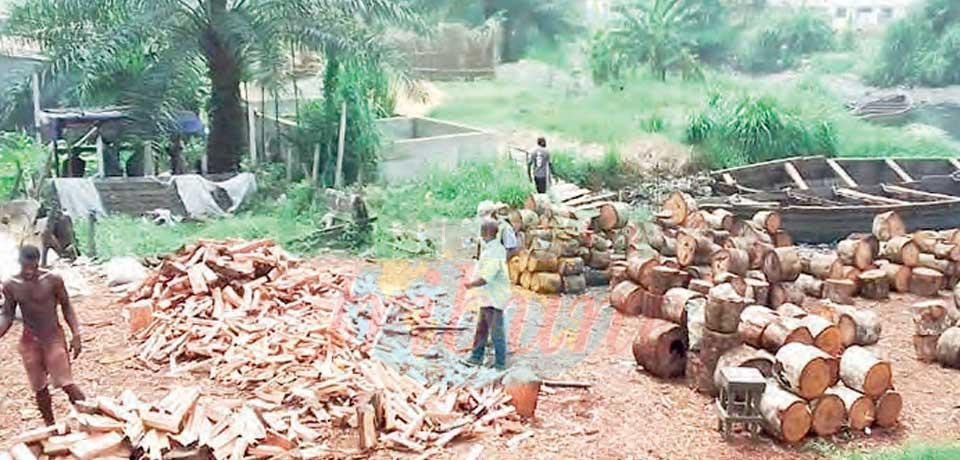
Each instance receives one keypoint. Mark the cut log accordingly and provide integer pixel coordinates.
(786, 416)
(874, 285)
(839, 291)
(569, 266)
(810, 286)
(720, 219)
(597, 278)
(661, 348)
(538, 203)
(869, 239)
(525, 278)
(542, 261)
(640, 270)
(524, 389)
(857, 253)
(925, 240)
(889, 406)
(713, 345)
(828, 413)
(769, 221)
(627, 298)
(697, 377)
(694, 249)
(826, 335)
(675, 304)
(736, 261)
(676, 208)
(783, 293)
(857, 327)
(897, 275)
(822, 266)
(758, 290)
(932, 262)
(723, 309)
(949, 252)
(738, 283)
(790, 310)
(781, 264)
(701, 286)
(546, 283)
(782, 239)
(901, 250)
(925, 282)
(861, 370)
(753, 321)
(926, 347)
(888, 225)
(783, 331)
(664, 278)
(931, 317)
(744, 356)
(948, 348)
(574, 284)
(613, 215)
(860, 410)
(600, 259)
(805, 370)
(699, 272)
(697, 221)
(662, 243)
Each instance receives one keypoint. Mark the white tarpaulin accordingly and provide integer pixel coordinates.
(78, 197)
(196, 193)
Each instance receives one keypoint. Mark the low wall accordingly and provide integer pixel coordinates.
(431, 144)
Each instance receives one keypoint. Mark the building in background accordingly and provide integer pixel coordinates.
(856, 14)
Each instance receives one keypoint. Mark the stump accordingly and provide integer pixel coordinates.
(661, 348)
(769, 221)
(723, 309)
(758, 290)
(901, 250)
(926, 347)
(874, 285)
(744, 356)
(640, 269)
(805, 370)
(857, 253)
(783, 331)
(736, 261)
(889, 406)
(753, 321)
(826, 336)
(787, 417)
(781, 264)
(574, 284)
(675, 301)
(713, 345)
(860, 410)
(839, 291)
(861, 370)
(829, 414)
(888, 225)
(948, 348)
(926, 282)
(822, 266)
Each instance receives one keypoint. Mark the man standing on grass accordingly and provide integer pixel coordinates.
(43, 345)
(538, 166)
(489, 291)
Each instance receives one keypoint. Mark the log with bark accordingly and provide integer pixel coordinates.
(713, 345)
(860, 410)
(822, 266)
(695, 249)
(826, 335)
(897, 275)
(805, 370)
(546, 283)
(791, 310)
(874, 285)
(676, 208)
(888, 225)
(828, 413)
(738, 283)
(613, 215)
(925, 347)
(574, 284)
(736, 261)
(569, 266)
(870, 239)
(810, 286)
(857, 253)
(889, 406)
(926, 240)
(640, 270)
(758, 290)
(664, 278)
(675, 304)
(857, 326)
(786, 416)
(769, 221)
(661, 348)
(784, 293)
(948, 348)
(861, 370)
(629, 299)
(723, 309)
(663, 243)
(931, 317)
(720, 219)
(925, 282)
(753, 321)
(701, 286)
(782, 239)
(600, 259)
(781, 264)
(744, 356)
(783, 331)
(542, 261)
(596, 278)
(949, 252)
(932, 262)
(840, 291)
(901, 250)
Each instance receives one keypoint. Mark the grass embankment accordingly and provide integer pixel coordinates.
(913, 452)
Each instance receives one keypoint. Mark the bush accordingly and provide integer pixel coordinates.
(608, 171)
(778, 43)
(21, 161)
(921, 49)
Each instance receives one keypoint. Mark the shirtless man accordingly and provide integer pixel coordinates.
(43, 345)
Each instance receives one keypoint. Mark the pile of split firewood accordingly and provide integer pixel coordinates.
(719, 292)
(253, 318)
(570, 237)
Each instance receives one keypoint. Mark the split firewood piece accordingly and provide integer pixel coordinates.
(948, 348)
(897, 275)
(366, 427)
(60, 445)
(781, 264)
(661, 348)
(758, 290)
(769, 221)
(723, 309)
(784, 293)
(720, 219)
(676, 208)
(753, 321)
(810, 286)
(39, 434)
(901, 250)
(96, 446)
(874, 285)
(745, 356)
(676, 303)
(694, 249)
(888, 225)
(783, 331)
(839, 291)
(822, 266)
(860, 410)
(640, 269)
(925, 282)
(826, 335)
(861, 370)
(805, 370)
(791, 310)
(736, 261)
(787, 417)
(889, 406)
(829, 414)
(855, 252)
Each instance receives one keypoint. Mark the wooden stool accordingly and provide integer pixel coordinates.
(740, 391)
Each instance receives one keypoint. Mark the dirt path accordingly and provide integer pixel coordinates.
(627, 414)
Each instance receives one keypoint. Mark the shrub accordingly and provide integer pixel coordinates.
(921, 49)
(778, 43)
(608, 171)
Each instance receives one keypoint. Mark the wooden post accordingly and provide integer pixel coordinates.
(289, 161)
(91, 235)
(203, 163)
(251, 127)
(149, 168)
(35, 86)
(316, 165)
(101, 150)
(338, 183)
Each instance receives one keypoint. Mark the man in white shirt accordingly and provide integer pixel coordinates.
(488, 292)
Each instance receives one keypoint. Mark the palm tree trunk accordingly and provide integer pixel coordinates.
(225, 146)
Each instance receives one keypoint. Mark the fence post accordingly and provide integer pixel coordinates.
(338, 183)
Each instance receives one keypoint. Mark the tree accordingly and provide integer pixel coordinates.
(159, 56)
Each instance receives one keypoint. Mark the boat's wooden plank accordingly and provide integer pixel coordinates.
(728, 179)
(841, 173)
(898, 190)
(897, 169)
(866, 197)
(955, 163)
(795, 175)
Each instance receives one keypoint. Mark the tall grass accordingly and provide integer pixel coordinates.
(608, 172)
(778, 42)
(922, 49)
(914, 452)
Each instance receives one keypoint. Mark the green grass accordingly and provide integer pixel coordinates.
(913, 452)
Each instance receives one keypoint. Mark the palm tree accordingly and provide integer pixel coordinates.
(659, 33)
(163, 55)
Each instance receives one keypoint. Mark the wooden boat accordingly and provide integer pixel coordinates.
(822, 200)
(885, 107)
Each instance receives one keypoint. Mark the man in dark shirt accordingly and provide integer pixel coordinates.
(538, 166)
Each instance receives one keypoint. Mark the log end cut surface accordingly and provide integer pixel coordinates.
(829, 415)
(889, 406)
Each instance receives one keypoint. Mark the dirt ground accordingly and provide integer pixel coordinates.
(626, 414)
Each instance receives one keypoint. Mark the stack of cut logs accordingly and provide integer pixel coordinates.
(284, 332)
(718, 292)
(936, 337)
(570, 236)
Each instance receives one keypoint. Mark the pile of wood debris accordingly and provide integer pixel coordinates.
(570, 236)
(719, 292)
(278, 329)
